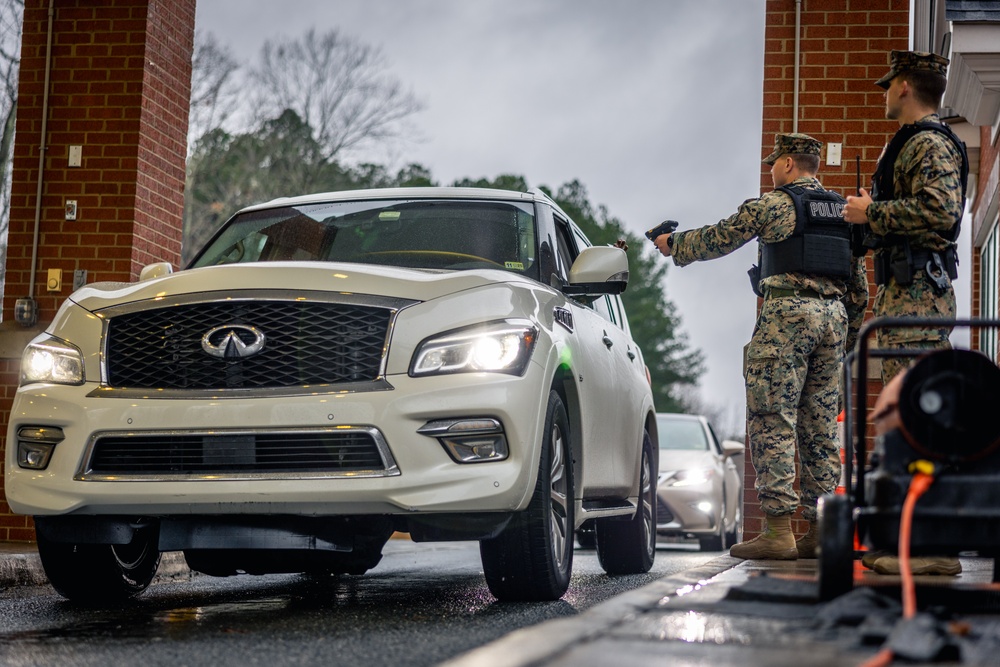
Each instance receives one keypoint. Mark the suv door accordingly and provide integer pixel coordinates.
(597, 382)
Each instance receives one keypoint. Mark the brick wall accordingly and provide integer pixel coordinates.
(844, 48)
(119, 87)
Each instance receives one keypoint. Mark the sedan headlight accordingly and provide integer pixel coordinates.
(686, 477)
(52, 360)
(496, 347)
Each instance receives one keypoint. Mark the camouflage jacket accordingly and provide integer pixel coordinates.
(927, 197)
(771, 219)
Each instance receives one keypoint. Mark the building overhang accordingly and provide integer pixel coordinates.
(974, 73)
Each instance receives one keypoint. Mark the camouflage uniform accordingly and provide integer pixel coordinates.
(926, 203)
(793, 362)
(927, 199)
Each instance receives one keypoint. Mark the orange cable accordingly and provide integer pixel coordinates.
(880, 659)
(919, 484)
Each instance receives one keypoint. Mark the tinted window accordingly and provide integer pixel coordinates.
(432, 234)
(603, 306)
(567, 249)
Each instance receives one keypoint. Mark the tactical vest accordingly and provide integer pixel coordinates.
(821, 242)
(884, 179)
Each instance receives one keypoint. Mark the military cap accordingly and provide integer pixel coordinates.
(793, 144)
(913, 61)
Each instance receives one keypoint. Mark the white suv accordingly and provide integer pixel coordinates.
(450, 363)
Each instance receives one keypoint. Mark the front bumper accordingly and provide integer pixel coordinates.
(685, 515)
(428, 479)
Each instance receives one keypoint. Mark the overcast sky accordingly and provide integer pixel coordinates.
(654, 105)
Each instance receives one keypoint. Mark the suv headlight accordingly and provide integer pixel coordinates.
(495, 347)
(52, 360)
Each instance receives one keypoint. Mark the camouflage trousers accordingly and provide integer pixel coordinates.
(793, 378)
(918, 299)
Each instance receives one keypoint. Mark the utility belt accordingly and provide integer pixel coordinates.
(779, 292)
(901, 263)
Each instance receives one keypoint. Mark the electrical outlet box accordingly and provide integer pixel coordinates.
(833, 152)
(79, 278)
(75, 156)
(71, 209)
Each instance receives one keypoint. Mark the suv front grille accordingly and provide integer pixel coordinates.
(307, 343)
(348, 451)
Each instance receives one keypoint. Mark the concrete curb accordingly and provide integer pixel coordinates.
(540, 643)
(25, 569)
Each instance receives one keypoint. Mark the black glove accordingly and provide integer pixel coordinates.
(665, 227)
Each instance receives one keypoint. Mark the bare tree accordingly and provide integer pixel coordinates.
(287, 126)
(338, 86)
(214, 87)
(11, 18)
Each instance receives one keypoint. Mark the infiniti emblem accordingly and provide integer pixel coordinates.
(233, 341)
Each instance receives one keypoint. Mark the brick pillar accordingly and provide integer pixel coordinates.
(120, 82)
(844, 48)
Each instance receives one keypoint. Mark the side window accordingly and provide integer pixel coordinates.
(604, 306)
(566, 250)
(581, 240)
(619, 309)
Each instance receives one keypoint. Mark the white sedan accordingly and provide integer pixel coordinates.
(700, 486)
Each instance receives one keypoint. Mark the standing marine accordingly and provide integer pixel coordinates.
(913, 215)
(915, 207)
(815, 295)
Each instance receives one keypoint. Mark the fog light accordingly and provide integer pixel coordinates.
(34, 456)
(476, 450)
(469, 440)
(705, 506)
(35, 445)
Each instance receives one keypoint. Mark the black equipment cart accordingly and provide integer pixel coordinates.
(949, 409)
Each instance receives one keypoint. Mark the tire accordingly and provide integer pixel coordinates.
(836, 546)
(712, 542)
(629, 547)
(532, 559)
(101, 573)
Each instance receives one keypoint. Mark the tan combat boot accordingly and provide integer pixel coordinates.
(776, 542)
(868, 560)
(806, 545)
(946, 565)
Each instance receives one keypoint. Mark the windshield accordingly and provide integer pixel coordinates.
(685, 434)
(428, 234)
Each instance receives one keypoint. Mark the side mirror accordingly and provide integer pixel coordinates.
(732, 448)
(156, 270)
(598, 270)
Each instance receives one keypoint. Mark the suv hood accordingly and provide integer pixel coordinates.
(413, 284)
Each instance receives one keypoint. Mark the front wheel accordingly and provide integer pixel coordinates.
(629, 547)
(715, 542)
(533, 557)
(91, 573)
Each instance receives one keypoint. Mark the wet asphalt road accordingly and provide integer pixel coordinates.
(423, 604)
